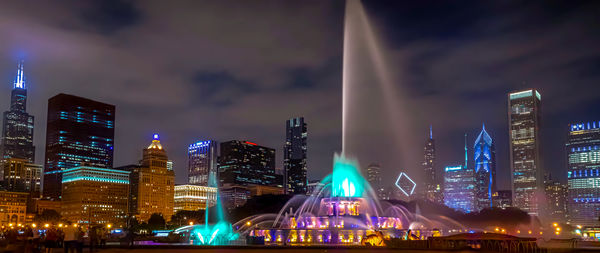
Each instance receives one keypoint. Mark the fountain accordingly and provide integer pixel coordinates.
(343, 211)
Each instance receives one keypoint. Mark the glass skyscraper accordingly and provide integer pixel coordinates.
(245, 163)
(430, 188)
(459, 188)
(524, 131)
(484, 152)
(583, 173)
(79, 132)
(17, 127)
(202, 163)
(294, 156)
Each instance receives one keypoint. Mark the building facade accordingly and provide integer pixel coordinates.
(79, 132)
(95, 195)
(233, 196)
(294, 156)
(17, 124)
(246, 163)
(203, 163)
(152, 184)
(524, 130)
(484, 153)
(459, 188)
(556, 196)
(191, 197)
(583, 173)
(22, 176)
(13, 207)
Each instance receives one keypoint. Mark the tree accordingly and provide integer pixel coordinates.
(48, 216)
(184, 217)
(156, 221)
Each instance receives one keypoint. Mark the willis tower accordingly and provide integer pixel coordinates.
(17, 125)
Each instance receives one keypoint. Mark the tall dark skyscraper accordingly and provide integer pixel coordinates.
(524, 131)
(583, 173)
(246, 163)
(202, 163)
(484, 152)
(294, 156)
(373, 175)
(17, 127)
(431, 186)
(79, 132)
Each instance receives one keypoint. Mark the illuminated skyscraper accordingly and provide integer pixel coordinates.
(17, 127)
(583, 173)
(79, 132)
(431, 185)
(202, 163)
(524, 130)
(485, 169)
(294, 156)
(246, 163)
(152, 184)
(459, 188)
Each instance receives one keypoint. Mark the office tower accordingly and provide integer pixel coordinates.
(202, 163)
(524, 126)
(22, 176)
(246, 163)
(194, 197)
(503, 199)
(13, 206)
(152, 184)
(459, 188)
(95, 195)
(79, 132)
(17, 125)
(484, 152)
(556, 196)
(583, 173)
(294, 156)
(373, 173)
(431, 186)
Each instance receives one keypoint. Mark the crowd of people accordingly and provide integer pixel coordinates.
(70, 238)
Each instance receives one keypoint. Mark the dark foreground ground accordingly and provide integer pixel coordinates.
(269, 250)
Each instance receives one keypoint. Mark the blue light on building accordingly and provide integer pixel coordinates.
(202, 163)
(583, 173)
(459, 188)
(485, 169)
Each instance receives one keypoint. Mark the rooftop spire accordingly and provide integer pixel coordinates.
(466, 152)
(20, 78)
(430, 132)
(155, 142)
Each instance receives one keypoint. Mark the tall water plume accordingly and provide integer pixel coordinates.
(372, 106)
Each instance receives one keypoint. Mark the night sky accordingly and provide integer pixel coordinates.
(223, 70)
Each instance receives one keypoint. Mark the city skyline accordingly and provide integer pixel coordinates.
(138, 103)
